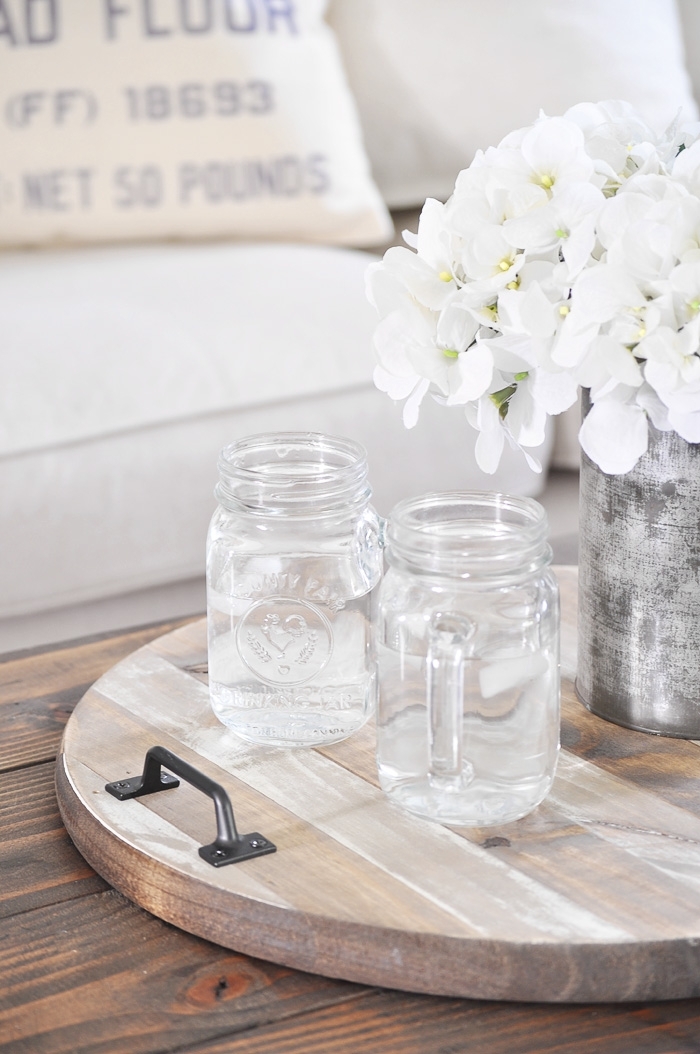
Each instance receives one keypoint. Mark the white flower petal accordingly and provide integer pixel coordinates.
(578, 247)
(685, 281)
(412, 405)
(647, 398)
(488, 450)
(457, 327)
(576, 202)
(485, 253)
(687, 425)
(533, 463)
(572, 344)
(398, 334)
(491, 439)
(686, 167)
(555, 148)
(524, 198)
(395, 387)
(604, 291)
(421, 280)
(384, 289)
(554, 392)
(619, 213)
(525, 419)
(619, 361)
(512, 353)
(471, 375)
(535, 230)
(683, 401)
(537, 313)
(430, 240)
(614, 435)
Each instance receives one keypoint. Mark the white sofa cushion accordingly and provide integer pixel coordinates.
(435, 82)
(123, 373)
(105, 340)
(139, 120)
(128, 511)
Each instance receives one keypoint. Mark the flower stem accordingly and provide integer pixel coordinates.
(502, 398)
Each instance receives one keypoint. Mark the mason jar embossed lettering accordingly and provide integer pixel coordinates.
(468, 646)
(293, 561)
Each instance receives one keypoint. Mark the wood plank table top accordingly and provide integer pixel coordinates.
(83, 969)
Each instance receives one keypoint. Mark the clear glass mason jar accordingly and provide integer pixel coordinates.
(293, 561)
(468, 647)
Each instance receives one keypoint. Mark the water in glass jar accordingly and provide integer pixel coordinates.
(294, 669)
(510, 736)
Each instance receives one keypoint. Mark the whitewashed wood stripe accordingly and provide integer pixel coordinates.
(591, 795)
(183, 646)
(676, 858)
(145, 830)
(639, 822)
(150, 687)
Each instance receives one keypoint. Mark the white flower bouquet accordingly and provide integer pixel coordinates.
(568, 255)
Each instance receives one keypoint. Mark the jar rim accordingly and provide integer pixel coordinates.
(469, 533)
(287, 471)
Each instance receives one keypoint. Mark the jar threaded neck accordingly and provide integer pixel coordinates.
(292, 473)
(469, 534)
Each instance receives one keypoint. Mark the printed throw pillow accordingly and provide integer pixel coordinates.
(142, 119)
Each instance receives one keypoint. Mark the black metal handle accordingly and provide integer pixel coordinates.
(229, 847)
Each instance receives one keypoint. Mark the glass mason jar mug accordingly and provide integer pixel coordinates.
(468, 647)
(293, 562)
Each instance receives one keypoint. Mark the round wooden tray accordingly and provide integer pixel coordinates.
(593, 897)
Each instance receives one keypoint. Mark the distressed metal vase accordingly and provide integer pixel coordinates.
(639, 589)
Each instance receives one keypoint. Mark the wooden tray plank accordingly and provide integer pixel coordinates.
(667, 767)
(579, 901)
(641, 822)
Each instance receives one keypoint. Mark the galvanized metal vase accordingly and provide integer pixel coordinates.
(639, 590)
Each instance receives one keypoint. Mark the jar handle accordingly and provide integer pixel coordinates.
(450, 645)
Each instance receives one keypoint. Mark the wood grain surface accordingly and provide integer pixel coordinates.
(593, 897)
(83, 969)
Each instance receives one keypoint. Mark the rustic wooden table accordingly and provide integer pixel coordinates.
(83, 969)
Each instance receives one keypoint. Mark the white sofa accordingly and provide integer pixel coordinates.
(109, 467)
(125, 368)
